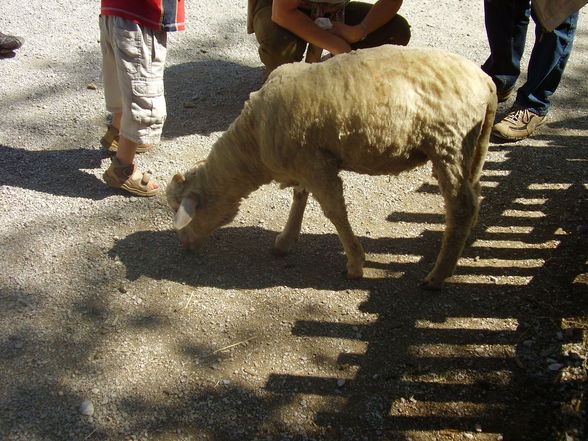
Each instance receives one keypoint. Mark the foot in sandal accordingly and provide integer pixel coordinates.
(110, 142)
(128, 178)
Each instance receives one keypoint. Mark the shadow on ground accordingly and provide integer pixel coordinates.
(56, 172)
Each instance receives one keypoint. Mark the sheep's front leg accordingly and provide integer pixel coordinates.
(329, 194)
(288, 237)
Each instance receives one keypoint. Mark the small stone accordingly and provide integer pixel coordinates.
(528, 343)
(122, 289)
(340, 382)
(95, 390)
(559, 335)
(555, 366)
(92, 86)
(478, 428)
(18, 345)
(87, 408)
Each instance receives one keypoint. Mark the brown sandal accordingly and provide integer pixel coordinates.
(110, 142)
(129, 179)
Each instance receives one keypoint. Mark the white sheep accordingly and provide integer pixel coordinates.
(374, 111)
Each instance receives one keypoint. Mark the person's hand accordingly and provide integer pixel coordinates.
(351, 34)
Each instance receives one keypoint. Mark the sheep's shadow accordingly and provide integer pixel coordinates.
(240, 257)
(212, 103)
(56, 172)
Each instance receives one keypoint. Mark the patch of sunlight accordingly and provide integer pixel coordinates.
(477, 262)
(446, 350)
(496, 172)
(523, 213)
(549, 186)
(449, 434)
(492, 280)
(514, 244)
(497, 324)
(581, 279)
(404, 258)
(489, 184)
(510, 229)
(530, 201)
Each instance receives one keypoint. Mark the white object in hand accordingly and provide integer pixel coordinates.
(324, 23)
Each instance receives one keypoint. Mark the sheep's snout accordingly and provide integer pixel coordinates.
(189, 240)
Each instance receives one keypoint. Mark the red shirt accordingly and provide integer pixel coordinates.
(164, 15)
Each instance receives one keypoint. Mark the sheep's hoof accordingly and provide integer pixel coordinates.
(354, 274)
(283, 244)
(431, 285)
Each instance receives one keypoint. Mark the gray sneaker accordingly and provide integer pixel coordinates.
(9, 43)
(518, 124)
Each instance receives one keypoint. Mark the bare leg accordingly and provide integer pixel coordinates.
(288, 237)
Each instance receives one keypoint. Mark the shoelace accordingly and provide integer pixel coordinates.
(519, 115)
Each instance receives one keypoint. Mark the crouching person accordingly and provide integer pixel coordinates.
(284, 28)
(133, 37)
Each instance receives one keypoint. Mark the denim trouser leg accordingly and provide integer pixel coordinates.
(506, 26)
(551, 52)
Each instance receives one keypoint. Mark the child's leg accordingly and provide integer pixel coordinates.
(140, 57)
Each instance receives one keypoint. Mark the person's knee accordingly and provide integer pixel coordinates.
(402, 33)
(277, 51)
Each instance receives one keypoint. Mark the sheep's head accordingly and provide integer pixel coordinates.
(197, 212)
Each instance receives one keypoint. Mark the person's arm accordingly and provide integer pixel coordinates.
(286, 14)
(381, 13)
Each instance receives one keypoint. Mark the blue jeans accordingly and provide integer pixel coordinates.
(506, 26)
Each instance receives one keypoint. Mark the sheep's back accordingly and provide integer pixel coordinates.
(370, 107)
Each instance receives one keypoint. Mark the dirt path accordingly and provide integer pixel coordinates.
(99, 304)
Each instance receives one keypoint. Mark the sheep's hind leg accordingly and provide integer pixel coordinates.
(288, 237)
(329, 194)
(461, 208)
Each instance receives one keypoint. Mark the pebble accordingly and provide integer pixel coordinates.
(555, 366)
(340, 382)
(87, 408)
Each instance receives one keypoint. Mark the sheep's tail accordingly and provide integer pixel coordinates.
(481, 147)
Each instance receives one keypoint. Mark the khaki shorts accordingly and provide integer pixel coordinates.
(278, 46)
(133, 59)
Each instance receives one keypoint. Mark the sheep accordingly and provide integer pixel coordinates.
(373, 111)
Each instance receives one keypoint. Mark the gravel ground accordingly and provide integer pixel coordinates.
(110, 331)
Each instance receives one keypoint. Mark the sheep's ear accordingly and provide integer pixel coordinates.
(179, 178)
(185, 213)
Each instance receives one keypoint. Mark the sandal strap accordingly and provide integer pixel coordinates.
(122, 171)
(146, 178)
